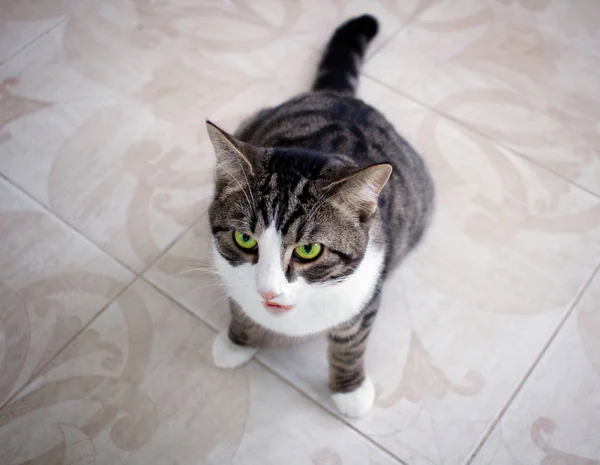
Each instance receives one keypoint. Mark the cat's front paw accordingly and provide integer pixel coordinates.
(226, 354)
(357, 403)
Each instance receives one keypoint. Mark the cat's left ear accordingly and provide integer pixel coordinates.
(235, 159)
(359, 191)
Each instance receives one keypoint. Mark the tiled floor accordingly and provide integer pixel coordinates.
(487, 347)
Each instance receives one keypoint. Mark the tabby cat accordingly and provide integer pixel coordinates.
(316, 201)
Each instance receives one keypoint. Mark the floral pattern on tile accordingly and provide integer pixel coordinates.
(121, 152)
(522, 73)
(52, 283)
(139, 386)
(102, 109)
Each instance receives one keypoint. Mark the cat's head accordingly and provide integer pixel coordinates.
(291, 232)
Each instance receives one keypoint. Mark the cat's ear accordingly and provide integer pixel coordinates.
(234, 157)
(359, 191)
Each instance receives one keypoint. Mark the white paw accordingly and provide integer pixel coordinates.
(357, 403)
(226, 354)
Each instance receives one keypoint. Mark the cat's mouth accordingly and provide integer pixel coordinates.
(277, 308)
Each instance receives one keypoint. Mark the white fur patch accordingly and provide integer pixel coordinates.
(357, 403)
(226, 354)
(269, 273)
(316, 307)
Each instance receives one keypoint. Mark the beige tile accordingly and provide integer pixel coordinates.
(139, 387)
(102, 122)
(22, 21)
(555, 417)
(52, 282)
(465, 317)
(117, 99)
(521, 72)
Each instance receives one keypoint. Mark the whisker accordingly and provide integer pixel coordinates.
(210, 285)
(218, 300)
(198, 263)
(198, 270)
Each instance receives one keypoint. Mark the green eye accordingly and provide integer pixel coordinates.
(245, 241)
(308, 252)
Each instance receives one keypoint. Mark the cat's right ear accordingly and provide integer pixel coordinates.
(234, 157)
(358, 193)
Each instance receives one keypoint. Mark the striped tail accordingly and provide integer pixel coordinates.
(339, 67)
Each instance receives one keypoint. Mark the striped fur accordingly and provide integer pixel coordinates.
(317, 169)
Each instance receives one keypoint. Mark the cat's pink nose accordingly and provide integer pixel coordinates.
(267, 295)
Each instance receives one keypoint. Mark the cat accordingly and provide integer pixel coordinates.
(316, 200)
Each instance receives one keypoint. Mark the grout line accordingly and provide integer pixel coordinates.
(54, 214)
(484, 135)
(79, 232)
(371, 51)
(414, 15)
(64, 222)
(39, 370)
(174, 241)
(177, 303)
(279, 375)
(33, 41)
(67, 16)
(139, 276)
(334, 414)
(535, 363)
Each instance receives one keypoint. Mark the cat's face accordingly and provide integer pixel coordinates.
(291, 234)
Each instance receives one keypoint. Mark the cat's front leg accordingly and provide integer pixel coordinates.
(239, 343)
(352, 390)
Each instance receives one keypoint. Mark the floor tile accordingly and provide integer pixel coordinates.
(521, 72)
(463, 320)
(21, 22)
(555, 418)
(52, 283)
(139, 387)
(120, 148)
(102, 109)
